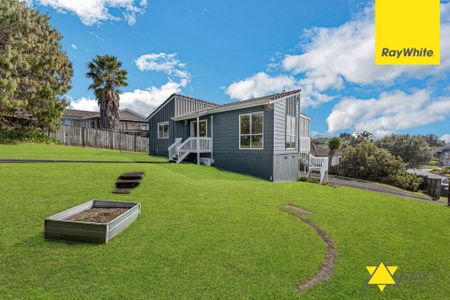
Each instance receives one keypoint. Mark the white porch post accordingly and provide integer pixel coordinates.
(212, 136)
(198, 140)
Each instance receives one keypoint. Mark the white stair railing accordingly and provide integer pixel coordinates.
(313, 163)
(190, 146)
(173, 148)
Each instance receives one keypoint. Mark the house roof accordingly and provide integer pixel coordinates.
(240, 104)
(320, 151)
(130, 115)
(80, 114)
(305, 116)
(180, 96)
(125, 115)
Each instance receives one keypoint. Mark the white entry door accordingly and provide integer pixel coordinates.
(203, 128)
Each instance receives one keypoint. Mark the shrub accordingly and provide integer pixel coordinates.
(367, 161)
(413, 150)
(405, 181)
(12, 137)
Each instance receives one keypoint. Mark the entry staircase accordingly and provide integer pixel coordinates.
(179, 150)
(315, 166)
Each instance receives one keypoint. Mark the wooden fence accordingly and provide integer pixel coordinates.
(435, 188)
(90, 137)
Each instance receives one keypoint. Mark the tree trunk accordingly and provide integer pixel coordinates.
(109, 111)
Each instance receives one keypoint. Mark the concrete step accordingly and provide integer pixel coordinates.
(132, 176)
(127, 184)
(121, 191)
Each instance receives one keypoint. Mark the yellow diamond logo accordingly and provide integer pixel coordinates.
(382, 275)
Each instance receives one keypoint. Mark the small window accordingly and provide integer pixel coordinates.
(163, 130)
(68, 122)
(291, 123)
(290, 132)
(251, 133)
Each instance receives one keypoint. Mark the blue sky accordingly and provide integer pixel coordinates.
(225, 51)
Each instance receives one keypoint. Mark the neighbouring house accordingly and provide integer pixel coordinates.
(262, 136)
(320, 151)
(444, 156)
(130, 121)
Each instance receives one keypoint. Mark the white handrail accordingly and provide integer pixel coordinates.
(315, 163)
(173, 148)
(190, 145)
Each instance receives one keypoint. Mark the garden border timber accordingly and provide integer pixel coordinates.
(327, 267)
(57, 227)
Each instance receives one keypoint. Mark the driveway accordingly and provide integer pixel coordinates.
(363, 185)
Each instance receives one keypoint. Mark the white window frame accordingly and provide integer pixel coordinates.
(168, 131)
(293, 133)
(262, 134)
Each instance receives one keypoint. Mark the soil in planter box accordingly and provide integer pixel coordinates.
(98, 215)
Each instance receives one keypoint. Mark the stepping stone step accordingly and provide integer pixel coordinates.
(124, 183)
(132, 176)
(121, 191)
(128, 181)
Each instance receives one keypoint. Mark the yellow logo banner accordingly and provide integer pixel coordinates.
(407, 32)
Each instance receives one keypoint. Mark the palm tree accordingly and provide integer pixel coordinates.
(107, 77)
(334, 144)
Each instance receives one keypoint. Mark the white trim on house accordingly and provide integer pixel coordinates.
(160, 107)
(250, 135)
(168, 130)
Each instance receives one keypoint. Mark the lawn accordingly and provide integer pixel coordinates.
(206, 233)
(59, 152)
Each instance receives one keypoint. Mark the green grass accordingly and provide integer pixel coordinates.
(206, 233)
(59, 152)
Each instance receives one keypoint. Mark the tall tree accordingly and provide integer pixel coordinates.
(433, 140)
(34, 71)
(413, 150)
(107, 76)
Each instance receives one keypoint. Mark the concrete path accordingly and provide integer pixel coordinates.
(355, 183)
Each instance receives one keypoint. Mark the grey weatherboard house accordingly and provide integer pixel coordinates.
(262, 137)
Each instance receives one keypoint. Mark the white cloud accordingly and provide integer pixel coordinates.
(260, 84)
(333, 56)
(163, 62)
(392, 111)
(85, 104)
(74, 47)
(446, 138)
(144, 101)
(95, 11)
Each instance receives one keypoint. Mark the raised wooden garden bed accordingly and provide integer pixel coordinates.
(96, 221)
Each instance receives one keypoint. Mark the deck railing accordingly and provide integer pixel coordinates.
(203, 144)
(174, 147)
(313, 163)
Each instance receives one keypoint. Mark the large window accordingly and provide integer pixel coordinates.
(163, 130)
(251, 131)
(291, 123)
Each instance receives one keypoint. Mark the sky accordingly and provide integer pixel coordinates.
(224, 51)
